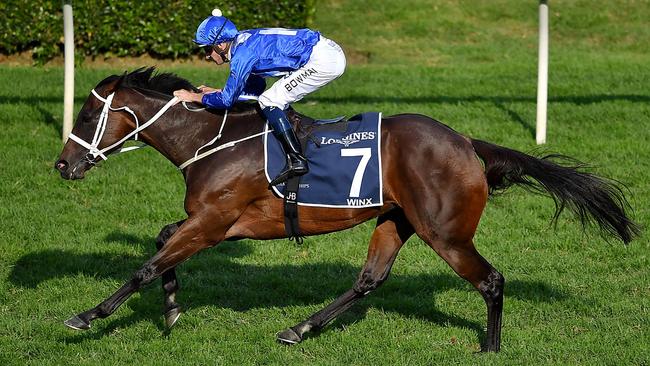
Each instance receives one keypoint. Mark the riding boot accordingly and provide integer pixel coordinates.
(296, 161)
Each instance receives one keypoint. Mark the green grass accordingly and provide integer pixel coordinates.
(571, 297)
(445, 32)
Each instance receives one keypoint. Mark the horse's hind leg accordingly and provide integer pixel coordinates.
(391, 233)
(169, 281)
(470, 265)
(445, 215)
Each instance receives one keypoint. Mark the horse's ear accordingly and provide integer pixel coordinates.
(113, 83)
(120, 80)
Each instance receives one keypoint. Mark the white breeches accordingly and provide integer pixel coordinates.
(327, 62)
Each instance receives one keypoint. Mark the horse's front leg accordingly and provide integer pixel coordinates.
(391, 233)
(169, 281)
(189, 238)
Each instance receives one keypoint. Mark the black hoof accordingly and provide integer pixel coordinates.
(289, 337)
(76, 323)
(171, 316)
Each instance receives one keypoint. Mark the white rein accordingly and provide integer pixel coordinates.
(93, 146)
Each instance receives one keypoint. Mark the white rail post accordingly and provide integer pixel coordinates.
(68, 94)
(542, 75)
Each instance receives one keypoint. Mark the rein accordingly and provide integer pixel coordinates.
(93, 146)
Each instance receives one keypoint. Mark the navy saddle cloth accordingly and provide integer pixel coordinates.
(344, 162)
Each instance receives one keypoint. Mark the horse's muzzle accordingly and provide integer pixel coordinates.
(74, 171)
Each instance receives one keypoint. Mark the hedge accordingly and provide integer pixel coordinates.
(162, 29)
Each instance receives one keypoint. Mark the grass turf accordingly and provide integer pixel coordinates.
(571, 297)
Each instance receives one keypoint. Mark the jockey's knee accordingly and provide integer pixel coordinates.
(265, 102)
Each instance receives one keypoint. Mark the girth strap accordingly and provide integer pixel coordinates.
(291, 222)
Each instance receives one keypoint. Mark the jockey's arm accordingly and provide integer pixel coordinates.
(255, 86)
(240, 70)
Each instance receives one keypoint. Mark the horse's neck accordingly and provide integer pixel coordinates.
(179, 133)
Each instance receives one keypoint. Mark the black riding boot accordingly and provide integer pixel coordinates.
(296, 161)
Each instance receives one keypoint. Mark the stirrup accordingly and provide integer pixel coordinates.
(281, 178)
(286, 174)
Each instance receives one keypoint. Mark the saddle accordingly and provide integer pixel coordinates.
(305, 126)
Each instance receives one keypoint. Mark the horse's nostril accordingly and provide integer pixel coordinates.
(61, 165)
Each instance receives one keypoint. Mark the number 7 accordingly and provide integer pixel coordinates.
(365, 154)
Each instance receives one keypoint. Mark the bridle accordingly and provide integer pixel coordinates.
(93, 146)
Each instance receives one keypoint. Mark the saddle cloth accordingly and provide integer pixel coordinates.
(344, 163)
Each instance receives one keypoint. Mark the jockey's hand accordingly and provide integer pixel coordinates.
(206, 89)
(188, 96)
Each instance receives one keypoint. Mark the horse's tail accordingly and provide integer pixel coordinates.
(591, 198)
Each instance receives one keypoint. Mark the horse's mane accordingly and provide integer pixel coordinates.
(147, 79)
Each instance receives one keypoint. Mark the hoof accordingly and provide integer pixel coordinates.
(289, 337)
(76, 323)
(171, 316)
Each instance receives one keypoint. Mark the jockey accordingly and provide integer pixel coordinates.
(303, 58)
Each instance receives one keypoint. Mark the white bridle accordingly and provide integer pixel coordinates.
(93, 146)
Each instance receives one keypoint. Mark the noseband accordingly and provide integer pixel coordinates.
(93, 146)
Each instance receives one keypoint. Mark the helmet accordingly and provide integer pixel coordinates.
(215, 29)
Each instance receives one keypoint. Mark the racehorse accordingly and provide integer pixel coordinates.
(435, 184)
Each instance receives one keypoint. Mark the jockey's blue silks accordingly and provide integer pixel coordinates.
(305, 59)
(263, 52)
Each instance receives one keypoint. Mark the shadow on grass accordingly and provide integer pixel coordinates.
(500, 102)
(529, 126)
(442, 99)
(49, 119)
(212, 278)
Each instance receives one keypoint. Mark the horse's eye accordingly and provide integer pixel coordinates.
(86, 117)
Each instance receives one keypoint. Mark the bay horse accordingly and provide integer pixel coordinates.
(436, 184)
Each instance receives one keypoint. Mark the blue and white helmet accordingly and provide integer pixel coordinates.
(215, 29)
